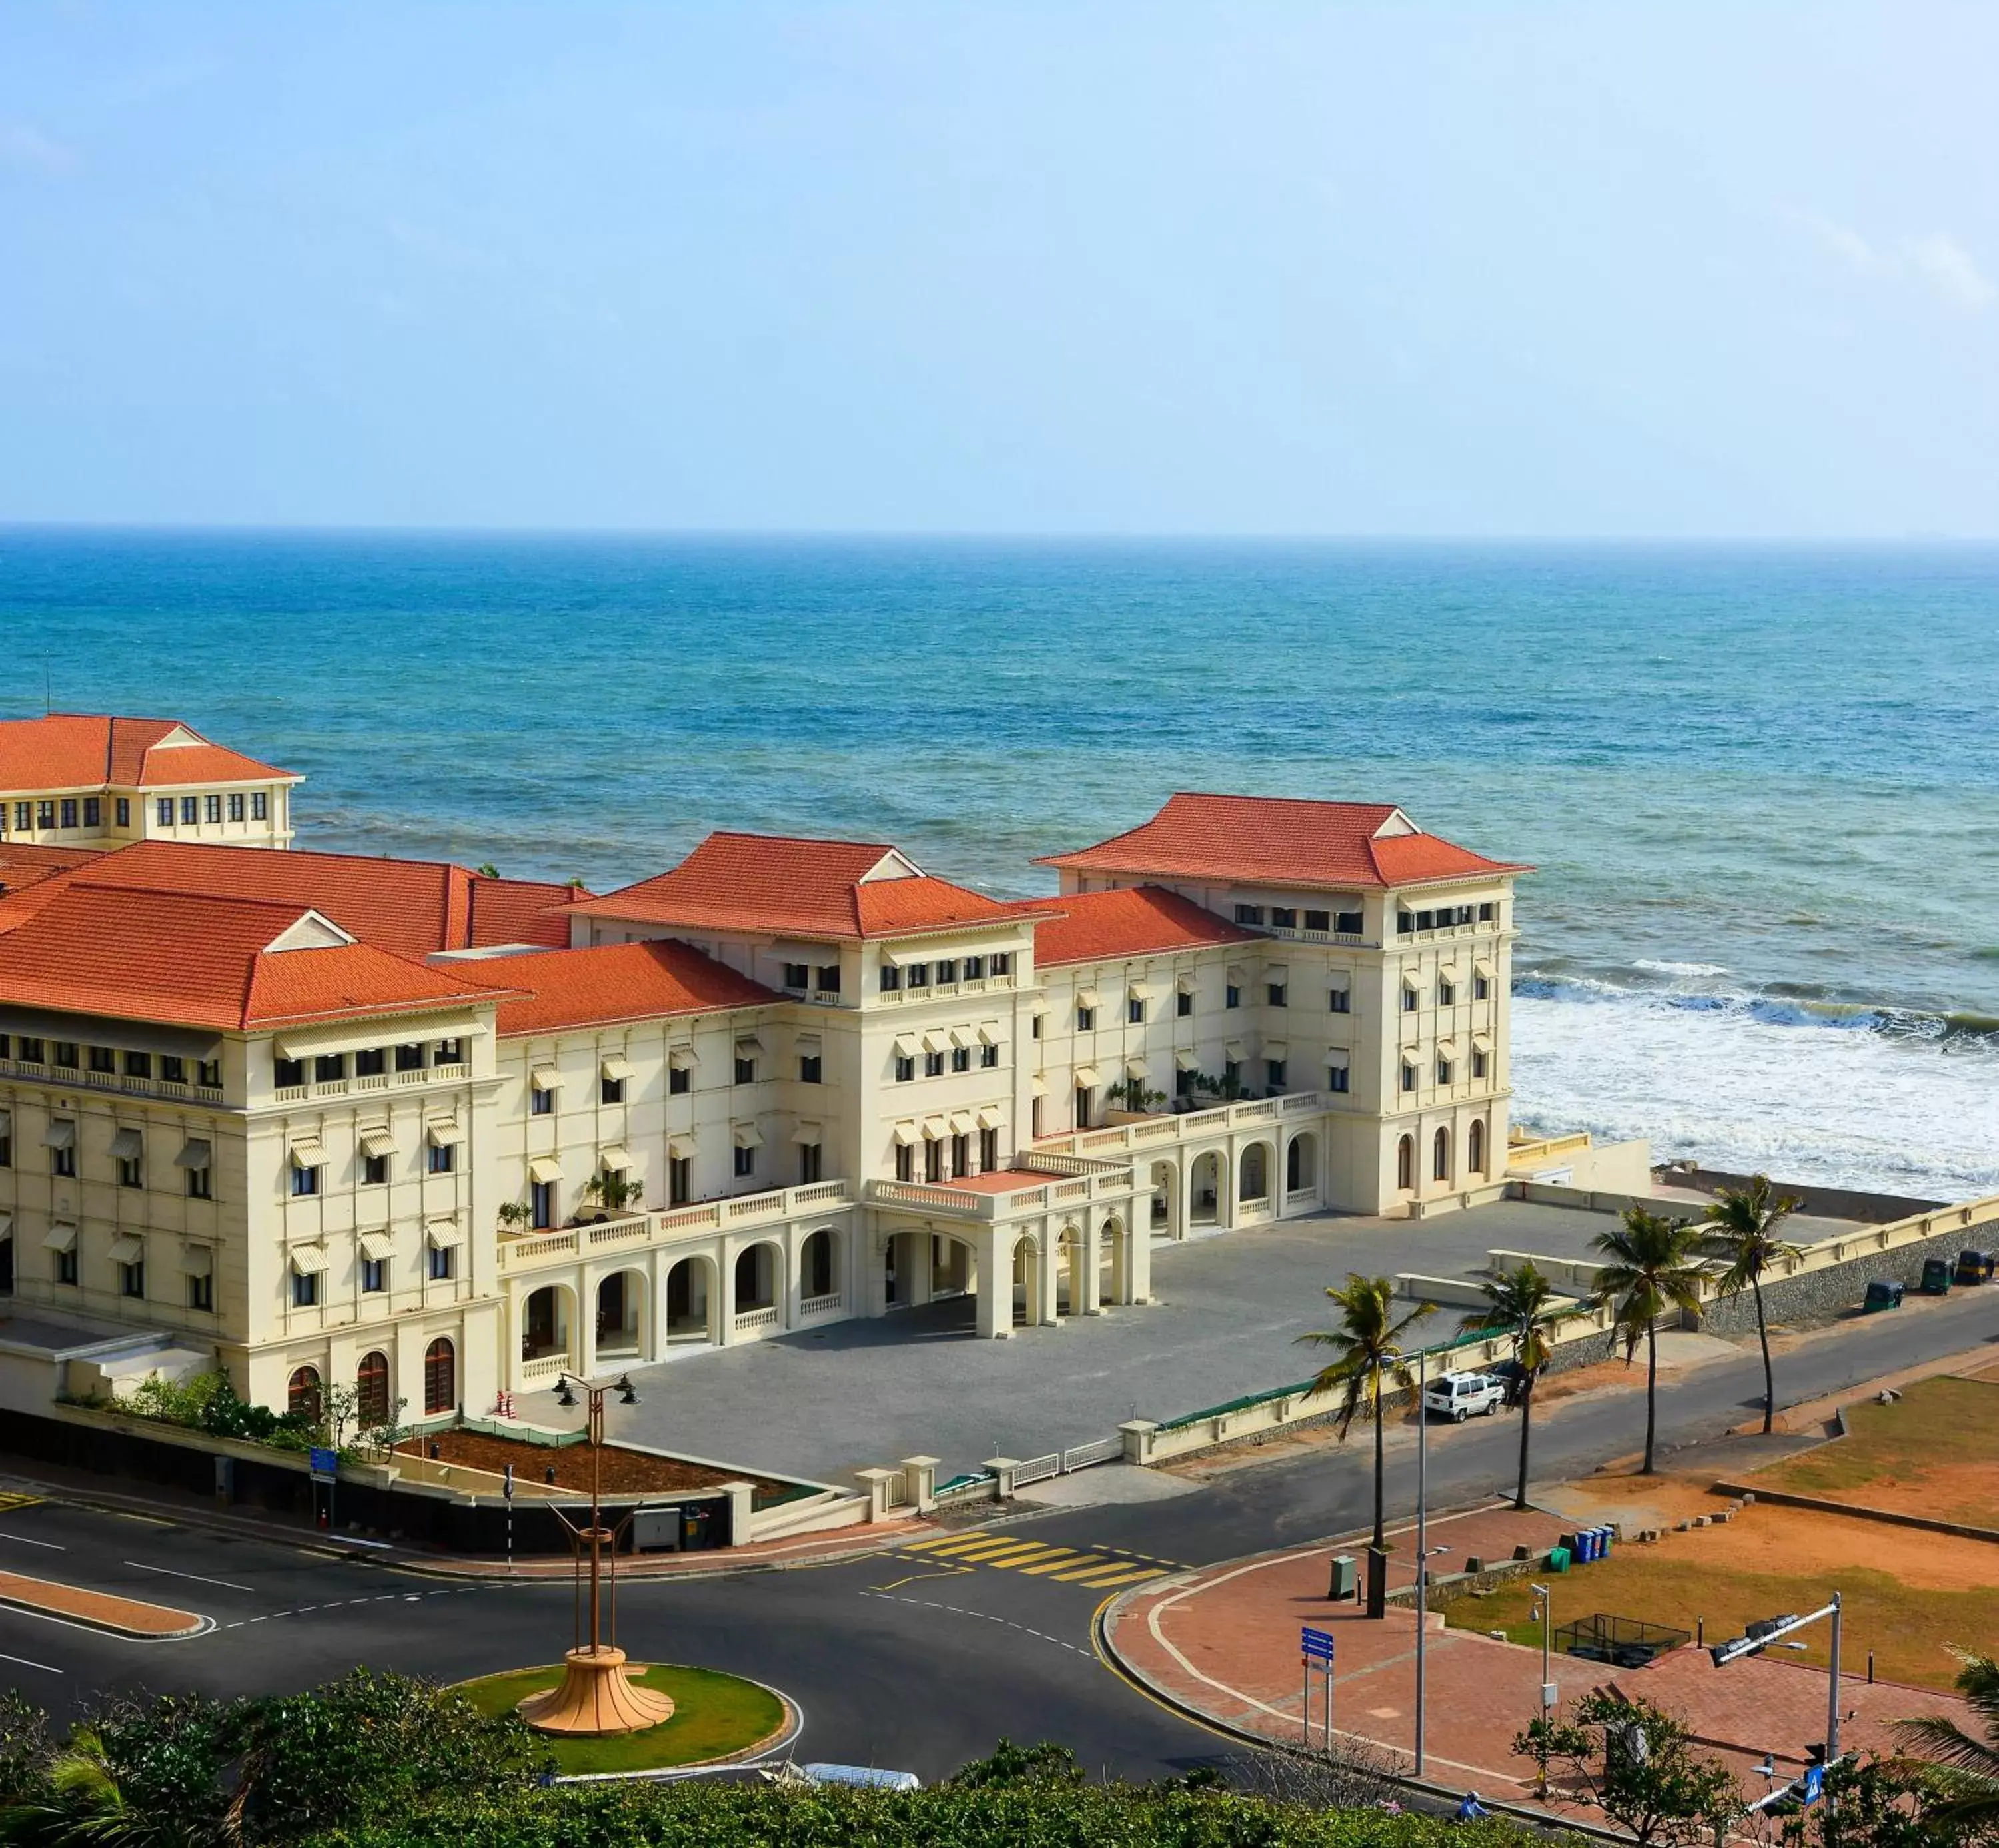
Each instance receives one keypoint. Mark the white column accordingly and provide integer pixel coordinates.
(583, 1340)
(1048, 1269)
(1090, 1258)
(1137, 1266)
(725, 1297)
(996, 1283)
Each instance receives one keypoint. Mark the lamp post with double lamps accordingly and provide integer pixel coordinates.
(1774, 1633)
(594, 1698)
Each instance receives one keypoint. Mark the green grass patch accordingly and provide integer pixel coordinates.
(1932, 1452)
(1909, 1631)
(713, 1716)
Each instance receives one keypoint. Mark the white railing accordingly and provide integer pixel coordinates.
(821, 1306)
(1186, 1126)
(372, 1081)
(1103, 1450)
(751, 1320)
(544, 1366)
(1037, 1469)
(529, 1250)
(1107, 1181)
(293, 1093)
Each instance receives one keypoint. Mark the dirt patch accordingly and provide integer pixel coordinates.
(625, 1471)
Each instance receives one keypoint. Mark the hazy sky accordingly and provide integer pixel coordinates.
(1599, 269)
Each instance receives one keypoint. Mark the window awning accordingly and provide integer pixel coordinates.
(1037, 1085)
(934, 1128)
(1187, 982)
(443, 1235)
(904, 1133)
(808, 1044)
(681, 1148)
(682, 1058)
(616, 1070)
(961, 1036)
(746, 1135)
(62, 1237)
(545, 1078)
(376, 1142)
(748, 1044)
(1088, 998)
(988, 1033)
(1184, 1060)
(1278, 972)
(1276, 1049)
(128, 1249)
(1086, 1077)
(905, 1045)
(308, 1151)
(810, 1133)
(614, 1159)
(1481, 1042)
(1237, 975)
(445, 1134)
(308, 1261)
(60, 1134)
(127, 1145)
(936, 1039)
(375, 1246)
(544, 1169)
(991, 1117)
(1234, 1049)
(195, 1152)
(962, 1123)
(1336, 1057)
(1136, 1068)
(1447, 1048)
(198, 1261)
(1480, 967)
(1141, 991)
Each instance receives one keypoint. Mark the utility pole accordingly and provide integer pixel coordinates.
(1423, 1539)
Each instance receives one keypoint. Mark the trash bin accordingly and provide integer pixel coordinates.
(1558, 1559)
(1346, 1577)
(1610, 1534)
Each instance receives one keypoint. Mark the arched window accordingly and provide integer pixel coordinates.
(371, 1390)
(817, 1264)
(1440, 1156)
(1294, 1165)
(1474, 1146)
(1256, 1181)
(1405, 1162)
(302, 1394)
(440, 1376)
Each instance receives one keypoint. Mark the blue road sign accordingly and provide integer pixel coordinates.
(1316, 1644)
(325, 1464)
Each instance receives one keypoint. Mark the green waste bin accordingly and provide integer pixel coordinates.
(1558, 1559)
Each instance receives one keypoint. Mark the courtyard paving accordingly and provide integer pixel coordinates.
(1228, 1311)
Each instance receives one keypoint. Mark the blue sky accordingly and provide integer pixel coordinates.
(1422, 269)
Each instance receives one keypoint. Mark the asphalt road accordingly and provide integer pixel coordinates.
(910, 1660)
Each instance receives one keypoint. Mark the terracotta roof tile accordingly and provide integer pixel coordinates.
(794, 888)
(1276, 840)
(77, 750)
(614, 981)
(23, 863)
(1135, 921)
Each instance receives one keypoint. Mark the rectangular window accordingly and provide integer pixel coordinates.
(933, 1160)
(201, 1294)
(808, 1068)
(66, 1266)
(409, 1058)
(1276, 993)
(541, 1205)
(286, 1073)
(917, 975)
(1183, 1083)
(130, 1173)
(208, 1074)
(67, 1057)
(190, 811)
(1134, 1011)
(440, 1264)
(906, 1162)
(809, 1162)
(1034, 1114)
(236, 807)
(1410, 1001)
(1248, 914)
(172, 1070)
(1001, 964)
(1284, 917)
(6, 1142)
(1405, 922)
(610, 1091)
(1086, 1099)
(1446, 993)
(933, 1064)
(305, 1288)
(1232, 996)
(1408, 1077)
(103, 1059)
(540, 1103)
(449, 1052)
(1478, 1062)
(746, 1069)
(989, 1058)
(211, 809)
(132, 1279)
(1487, 911)
(93, 812)
(305, 1181)
(947, 970)
(1427, 920)
(62, 1160)
(375, 1170)
(1318, 920)
(890, 979)
(1034, 1031)
(1349, 924)
(826, 979)
(328, 1067)
(1232, 1072)
(1443, 1071)
(260, 806)
(905, 1069)
(163, 811)
(1340, 1001)
(960, 1155)
(442, 1158)
(1481, 989)
(1273, 1070)
(795, 974)
(45, 815)
(139, 1064)
(1183, 1004)
(24, 817)
(680, 1180)
(746, 1162)
(374, 1275)
(680, 1080)
(1335, 1078)
(197, 1184)
(975, 967)
(989, 1151)
(1086, 1019)
(961, 1058)
(69, 811)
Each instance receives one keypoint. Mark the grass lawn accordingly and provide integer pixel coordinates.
(714, 1715)
(1934, 1452)
(1907, 1628)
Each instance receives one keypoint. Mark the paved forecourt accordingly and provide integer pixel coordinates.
(1227, 1312)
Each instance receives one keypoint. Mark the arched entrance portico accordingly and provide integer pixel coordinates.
(1254, 1171)
(1301, 1165)
(621, 1303)
(691, 1301)
(1027, 1309)
(548, 1324)
(1207, 1188)
(1165, 1220)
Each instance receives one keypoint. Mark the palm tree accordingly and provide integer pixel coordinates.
(1969, 1766)
(1522, 1305)
(1741, 1227)
(1654, 1263)
(1369, 1351)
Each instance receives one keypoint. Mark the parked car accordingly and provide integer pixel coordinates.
(1976, 1267)
(1936, 1276)
(1883, 1293)
(1457, 1395)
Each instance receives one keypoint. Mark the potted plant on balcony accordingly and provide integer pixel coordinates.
(1134, 1097)
(610, 1194)
(514, 1217)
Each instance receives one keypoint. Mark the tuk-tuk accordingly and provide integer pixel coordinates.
(1883, 1293)
(1936, 1276)
(1976, 1267)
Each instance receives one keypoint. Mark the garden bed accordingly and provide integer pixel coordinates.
(625, 1471)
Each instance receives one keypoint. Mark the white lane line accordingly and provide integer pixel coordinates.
(226, 1584)
(26, 1663)
(25, 1542)
(986, 1616)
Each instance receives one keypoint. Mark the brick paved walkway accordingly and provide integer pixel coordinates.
(123, 1616)
(1223, 1641)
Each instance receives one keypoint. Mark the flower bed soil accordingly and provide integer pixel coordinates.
(625, 1472)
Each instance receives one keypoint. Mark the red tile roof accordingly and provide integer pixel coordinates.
(411, 906)
(199, 961)
(1276, 840)
(802, 889)
(560, 988)
(1135, 921)
(23, 863)
(77, 750)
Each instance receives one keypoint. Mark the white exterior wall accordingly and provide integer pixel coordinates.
(143, 822)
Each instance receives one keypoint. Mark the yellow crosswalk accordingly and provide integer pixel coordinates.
(10, 1499)
(1100, 1569)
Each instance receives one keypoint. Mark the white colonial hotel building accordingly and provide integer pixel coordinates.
(380, 1122)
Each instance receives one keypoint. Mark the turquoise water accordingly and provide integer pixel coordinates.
(1763, 786)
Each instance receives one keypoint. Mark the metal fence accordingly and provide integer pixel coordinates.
(1623, 1641)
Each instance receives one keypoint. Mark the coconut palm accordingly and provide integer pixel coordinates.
(1652, 1264)
(1968, 1772)
(1369, 1353)
(1522, 1305)
(1741, 1228)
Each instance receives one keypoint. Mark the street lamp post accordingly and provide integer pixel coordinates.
(1545, 1611)
(594, 1698)
(1773, 1633)
(1422, 1540)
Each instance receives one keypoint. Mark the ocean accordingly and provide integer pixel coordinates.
(1760, 785)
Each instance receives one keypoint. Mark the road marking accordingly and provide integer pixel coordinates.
(1061, 1556)
(946, 1572)
(226, 1584)
(1122, 1575)
(984, 1617)
(1082, 1567)
(10, 1499)
(25, 1542)
(963, 1543)
(26, 1663)
(1018, 1554)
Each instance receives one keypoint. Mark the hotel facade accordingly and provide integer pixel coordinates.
(393, 1126)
